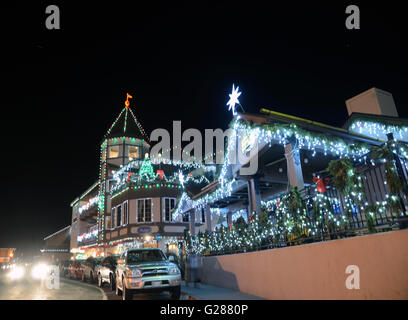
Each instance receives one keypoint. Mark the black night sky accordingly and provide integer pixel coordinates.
(62, 89)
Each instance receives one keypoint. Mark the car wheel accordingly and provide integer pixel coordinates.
(99, 280)
(126, 293)
(112, 282)
(117, 290)
(175, 293)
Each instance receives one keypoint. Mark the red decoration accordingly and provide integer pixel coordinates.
(160, 172)
(231, 225)
(127, 103)
(321, 183)
(128, 176)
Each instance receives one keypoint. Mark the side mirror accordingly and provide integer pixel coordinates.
(171, 259)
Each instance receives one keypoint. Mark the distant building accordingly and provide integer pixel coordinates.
(6, 255)
(56, 246)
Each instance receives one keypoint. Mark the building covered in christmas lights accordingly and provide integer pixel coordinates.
(130, 204)
(313, 181)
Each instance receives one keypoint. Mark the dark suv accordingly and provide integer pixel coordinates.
(106, 271)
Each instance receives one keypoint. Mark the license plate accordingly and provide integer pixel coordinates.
(156, 283)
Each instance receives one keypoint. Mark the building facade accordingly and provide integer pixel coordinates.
(131, 203)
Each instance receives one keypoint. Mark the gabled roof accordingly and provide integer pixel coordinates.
(126, 124)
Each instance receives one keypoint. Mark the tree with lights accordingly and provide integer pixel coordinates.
(146, 169)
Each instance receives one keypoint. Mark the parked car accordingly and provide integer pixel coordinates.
(146, 270)
(106, 271)
(75, 270)
(88, 269)
(63, 268)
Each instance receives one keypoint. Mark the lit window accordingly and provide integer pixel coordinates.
(125, 213)
(169, 204)
(118, 216)
(113, 218)
(113, 151)
(108, 222)
(133, 152)
(144, 210)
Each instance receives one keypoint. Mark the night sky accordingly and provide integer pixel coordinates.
(62, 89)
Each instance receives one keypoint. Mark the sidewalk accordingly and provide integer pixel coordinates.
(208, 292)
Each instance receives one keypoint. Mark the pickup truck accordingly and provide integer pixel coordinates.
(146, 270)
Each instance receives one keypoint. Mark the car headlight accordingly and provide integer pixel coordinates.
(133, 272)
(174, 270)
(16, 273)
(40, 271)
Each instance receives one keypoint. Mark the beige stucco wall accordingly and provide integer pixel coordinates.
(318, 270)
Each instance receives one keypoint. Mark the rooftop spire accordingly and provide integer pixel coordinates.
(125, 124)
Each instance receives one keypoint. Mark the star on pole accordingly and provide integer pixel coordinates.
(233, 99)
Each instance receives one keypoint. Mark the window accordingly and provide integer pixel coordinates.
(113, 218)
(108, 222)
(125, 213)
(168, 206)
(113, 151)
(133, 152)
(144, 210)
(186, 217)
(202, 215)
(118, 216)
(139, 256)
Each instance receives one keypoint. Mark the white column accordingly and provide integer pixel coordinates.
(192, 222)
(294, 165)
(254, 196)
(208, 218)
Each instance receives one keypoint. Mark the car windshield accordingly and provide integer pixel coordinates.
(138, 256)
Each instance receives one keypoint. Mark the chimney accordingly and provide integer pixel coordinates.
(373, 101)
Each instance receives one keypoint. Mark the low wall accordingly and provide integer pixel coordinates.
(318, 270)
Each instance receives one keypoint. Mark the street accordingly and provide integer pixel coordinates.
(35, 290)
(69, 290)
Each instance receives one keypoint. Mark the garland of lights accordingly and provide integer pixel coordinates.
(288, 221)
(90, 203)
(379, 130)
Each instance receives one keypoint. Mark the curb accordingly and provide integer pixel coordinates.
(105, 297)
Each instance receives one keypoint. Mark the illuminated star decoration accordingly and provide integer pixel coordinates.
(233, 99)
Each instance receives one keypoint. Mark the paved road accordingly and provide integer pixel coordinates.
(69, 290)
(37, 290)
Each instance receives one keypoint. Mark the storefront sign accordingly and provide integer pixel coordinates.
(144, 230)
